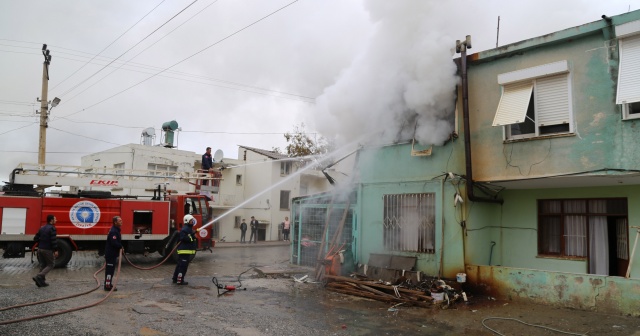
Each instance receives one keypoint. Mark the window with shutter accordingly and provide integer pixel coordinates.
(628, 93)
(535, 101)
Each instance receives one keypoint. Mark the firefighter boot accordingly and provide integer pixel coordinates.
(37, 281)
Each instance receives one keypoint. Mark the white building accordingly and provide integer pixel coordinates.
(258, 183)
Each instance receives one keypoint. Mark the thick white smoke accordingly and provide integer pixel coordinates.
(401, 85)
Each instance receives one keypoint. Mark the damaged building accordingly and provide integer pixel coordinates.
(534, 199)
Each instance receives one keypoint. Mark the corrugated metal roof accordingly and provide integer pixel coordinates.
(267, 153)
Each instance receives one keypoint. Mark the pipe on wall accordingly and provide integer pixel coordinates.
(467, 133)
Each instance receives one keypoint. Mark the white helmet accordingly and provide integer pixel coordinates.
(189, 220)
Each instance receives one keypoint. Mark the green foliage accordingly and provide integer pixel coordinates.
(302, 144)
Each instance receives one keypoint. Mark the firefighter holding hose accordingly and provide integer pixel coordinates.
(188, 244)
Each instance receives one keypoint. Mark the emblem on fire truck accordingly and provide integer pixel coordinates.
(203, 233)
(84, 214)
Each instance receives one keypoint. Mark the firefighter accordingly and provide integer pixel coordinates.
(187, 247)
(111, 252)
(47, 249)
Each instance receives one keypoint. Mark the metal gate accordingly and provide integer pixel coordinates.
(324, 221)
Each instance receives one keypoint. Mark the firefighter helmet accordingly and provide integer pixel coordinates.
(189, 220)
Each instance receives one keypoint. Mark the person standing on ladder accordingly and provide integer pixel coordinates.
(207, 164)
(47, 250)
(111, 252)
(187, 248)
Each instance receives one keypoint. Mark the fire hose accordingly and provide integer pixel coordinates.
(115, 279)
(229, 288)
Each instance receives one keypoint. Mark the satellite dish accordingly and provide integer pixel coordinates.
(218, 155)
(149, 131)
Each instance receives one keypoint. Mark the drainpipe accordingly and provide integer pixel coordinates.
(461, 47)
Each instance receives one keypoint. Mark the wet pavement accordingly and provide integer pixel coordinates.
(268, 302)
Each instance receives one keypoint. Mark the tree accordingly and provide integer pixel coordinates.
(301, 144)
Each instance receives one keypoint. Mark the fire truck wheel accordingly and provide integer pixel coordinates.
(64, 253)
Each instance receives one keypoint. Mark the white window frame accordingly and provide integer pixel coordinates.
(627, 92)
(159, 169)
(285, 168)
(119, 167)
(629, 116)
(528, 79)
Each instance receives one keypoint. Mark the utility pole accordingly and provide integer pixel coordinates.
(44, 106)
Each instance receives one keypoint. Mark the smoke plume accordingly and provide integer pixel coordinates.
(401, 85)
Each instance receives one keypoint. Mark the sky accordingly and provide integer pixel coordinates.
(244, 72)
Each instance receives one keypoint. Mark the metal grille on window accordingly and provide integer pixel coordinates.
(409, 222)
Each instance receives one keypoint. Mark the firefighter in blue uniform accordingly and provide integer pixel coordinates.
(111, 252)
(47, 250)
(188, 244)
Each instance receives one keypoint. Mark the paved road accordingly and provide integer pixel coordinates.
(226, 259)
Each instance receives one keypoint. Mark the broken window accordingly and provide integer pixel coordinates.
(535, 101)
(409, 222)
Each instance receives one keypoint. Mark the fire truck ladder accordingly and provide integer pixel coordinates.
(76, 176)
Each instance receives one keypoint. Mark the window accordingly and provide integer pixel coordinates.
(161, 169)
(409, 222)
(119, 167)
(239, 180)
(284, 199)
(565, 226)
(628, 94)
(285, 168)
(535, 101)
(236, 223)
(631, 111)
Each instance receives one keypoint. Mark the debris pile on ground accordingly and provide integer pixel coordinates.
(378, 290)
(426, 293)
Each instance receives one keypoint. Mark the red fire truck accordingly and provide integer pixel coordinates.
(85, 207)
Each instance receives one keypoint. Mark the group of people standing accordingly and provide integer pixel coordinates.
(286, 226)
(254, 231)
(48, 250)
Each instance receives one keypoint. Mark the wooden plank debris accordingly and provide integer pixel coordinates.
(377, 291)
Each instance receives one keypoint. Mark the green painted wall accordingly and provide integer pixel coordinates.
(392, 170)
(515, 229)
(612, 295)
(601, 139)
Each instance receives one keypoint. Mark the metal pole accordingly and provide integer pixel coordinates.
(633, 251)
(44, 106)
(498, 32)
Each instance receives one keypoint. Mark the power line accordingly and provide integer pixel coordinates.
(151, 45)
(19, 128)
(105, 48)
(84, 136)
(180, 73)
(135, 45)
(203, 132)
(189, 57)
(51, 152)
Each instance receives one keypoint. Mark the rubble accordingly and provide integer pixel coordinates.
(404, 292)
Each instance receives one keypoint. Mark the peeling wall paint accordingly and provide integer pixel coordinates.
(616, 295)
